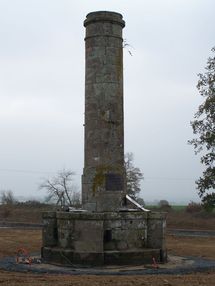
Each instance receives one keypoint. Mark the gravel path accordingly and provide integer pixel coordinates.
(176, 265)
(191, 232)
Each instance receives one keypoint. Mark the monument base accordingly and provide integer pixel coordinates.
(68, 257)
(117, 238)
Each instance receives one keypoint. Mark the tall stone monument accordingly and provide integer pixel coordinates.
(103, 183)
(107, 230)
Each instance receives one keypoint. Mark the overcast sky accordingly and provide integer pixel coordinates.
(42, 90)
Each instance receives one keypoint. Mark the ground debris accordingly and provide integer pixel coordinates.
(166, 282)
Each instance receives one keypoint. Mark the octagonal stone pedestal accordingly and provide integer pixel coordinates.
(85, 238)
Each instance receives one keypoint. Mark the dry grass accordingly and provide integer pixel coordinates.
(13, 239)
(29, 214)
(183, 220)
(191, 246)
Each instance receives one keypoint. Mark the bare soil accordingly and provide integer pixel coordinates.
(13, 239)
(12, 279)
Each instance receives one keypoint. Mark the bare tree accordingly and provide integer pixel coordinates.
(7, 197)
(61, 189)
(133, 176)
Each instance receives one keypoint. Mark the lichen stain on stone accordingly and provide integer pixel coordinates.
(99, 178)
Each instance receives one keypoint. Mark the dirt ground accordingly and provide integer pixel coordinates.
(11, 240)
(20, 279)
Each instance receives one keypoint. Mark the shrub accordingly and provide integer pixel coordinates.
(32, 204)
(164, 205)
(140, 201)
(193, 207)
(6, 211)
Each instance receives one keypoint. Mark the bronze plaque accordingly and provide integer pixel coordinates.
(113, 182)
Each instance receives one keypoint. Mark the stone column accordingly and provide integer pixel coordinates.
(103, 184)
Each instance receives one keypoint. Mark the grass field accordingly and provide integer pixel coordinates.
(173, 207)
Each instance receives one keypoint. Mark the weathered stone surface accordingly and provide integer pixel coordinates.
(106, 236)
(81, 216)
(50, 232)
(131, 257)
(156, 230)
(69, 257)
(106, 232)
(90, 237)
(104, 130)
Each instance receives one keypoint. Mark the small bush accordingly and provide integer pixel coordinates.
(164, 206)
(193, 207)
(140, 201)
(32, 204)
(163, 203)
(6, 211)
